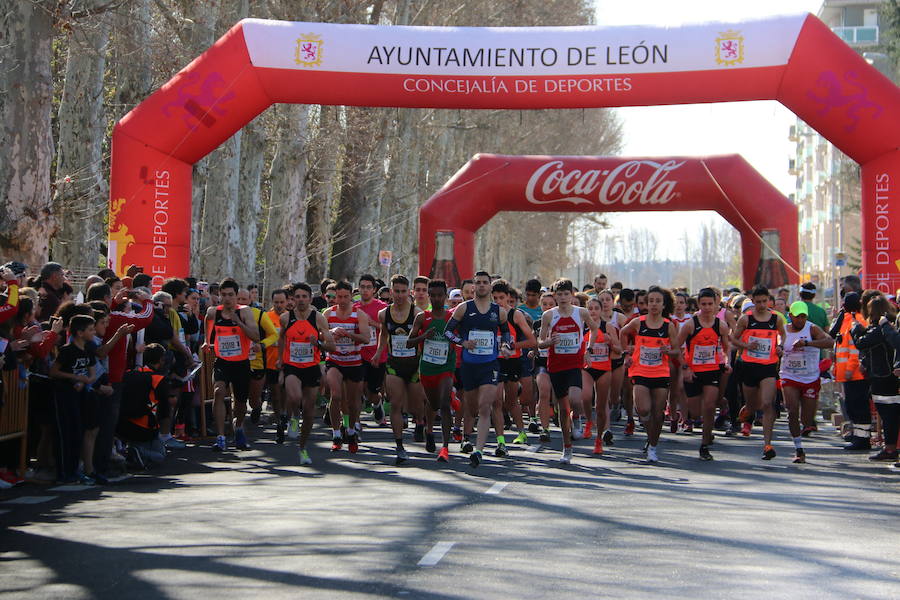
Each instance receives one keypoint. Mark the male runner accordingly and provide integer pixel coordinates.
(373, 375)
(304, 330)
(343, 366)
(760, 335)
(478, 321)
(532, 304)
(230, 330)
(522, 338)
(276, 390)
(562, 331)
(268, 339)
(467, 288)
(402, 381)
(800, 371)
(436, 366)
(420, 293)
(702, 335)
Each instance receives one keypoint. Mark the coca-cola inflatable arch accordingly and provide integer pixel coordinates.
(796, 60)
(492, 183)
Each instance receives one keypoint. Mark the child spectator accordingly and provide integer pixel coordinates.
(73, 371)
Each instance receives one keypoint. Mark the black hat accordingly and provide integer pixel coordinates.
(851, 302)
(16, 267)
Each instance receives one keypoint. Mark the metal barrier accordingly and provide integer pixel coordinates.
(14, 414)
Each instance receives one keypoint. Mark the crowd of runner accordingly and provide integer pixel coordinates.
(113, 368)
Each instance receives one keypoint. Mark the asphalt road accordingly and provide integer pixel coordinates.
(256, 524)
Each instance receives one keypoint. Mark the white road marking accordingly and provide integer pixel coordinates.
(497, 487)
(433, 556)
(533, 448)
(30, 500)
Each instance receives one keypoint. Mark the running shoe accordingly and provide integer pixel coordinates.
(768, 453)
(279, 431)
(466, 447)
(240, 440)
(255, 414)
(598, 446)
(807, 431)
(135, 459)
(799, 456)
(884, 455)
(566, 458)
(378, 413)
(608, 437)
(576, 430)
(87, 480)
(336, 443)
(219, 445)
(545, 437)
(688, 426)
(353, 444)
(746, 428)
(534, 427)
(402, 456)
(444, 455)
(501, 451)
(457, 434)
(419, 433)
(744, 416)
(651, 455)
(304, 458)
(704, 453)
(293, 430)
(475, 459)
(430, 446)
(629, 427)
(588, 432)
(174, 443)
(720, 422)
(522, 438)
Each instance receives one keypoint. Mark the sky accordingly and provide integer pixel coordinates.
(757, 130)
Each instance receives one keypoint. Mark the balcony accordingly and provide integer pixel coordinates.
(866, 35)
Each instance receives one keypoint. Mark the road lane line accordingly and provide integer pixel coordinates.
(497, 487)
(433, 556)
(533, 448)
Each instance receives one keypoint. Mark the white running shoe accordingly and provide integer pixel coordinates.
(651, 455)
(566, 458)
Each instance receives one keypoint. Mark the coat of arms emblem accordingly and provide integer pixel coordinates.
(308, 52)
(730, 48)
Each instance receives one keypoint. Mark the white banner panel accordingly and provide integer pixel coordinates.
(532, 51)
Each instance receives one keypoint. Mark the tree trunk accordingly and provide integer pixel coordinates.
(253, 147)
(26, 218)
(284, 245)
(82, 196)
(325, 184)
(133, 76)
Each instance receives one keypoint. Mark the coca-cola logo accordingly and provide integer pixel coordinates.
(633, 181)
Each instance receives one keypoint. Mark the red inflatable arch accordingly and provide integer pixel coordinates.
(491, 183)
(796, 60)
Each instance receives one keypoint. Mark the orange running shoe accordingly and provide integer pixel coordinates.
(746, 428)
(588, 430)
(744, 416)
(444, 455)
(598, 445)
(629, 428)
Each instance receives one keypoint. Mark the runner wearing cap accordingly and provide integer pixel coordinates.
(800, 370)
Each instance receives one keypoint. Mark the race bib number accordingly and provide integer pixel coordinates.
(599, 352)
(373, 336)
(763, 347)
(794, 365)
(435, 352)
(651, 356)
(568, 343)
(399, 349)
(301, 352)
(704, 355)
(252, 355)
(484, 342)
(229, 345)
(544, 352)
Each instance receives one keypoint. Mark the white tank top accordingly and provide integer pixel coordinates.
(801, 365)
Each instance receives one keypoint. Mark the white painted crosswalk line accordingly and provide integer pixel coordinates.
(433, 556)
(497, 487)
